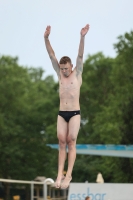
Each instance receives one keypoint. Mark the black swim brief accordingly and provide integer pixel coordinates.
(68, 114)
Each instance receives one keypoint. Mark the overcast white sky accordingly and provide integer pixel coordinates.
(23, 22)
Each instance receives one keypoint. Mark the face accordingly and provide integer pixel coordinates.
(66, 69)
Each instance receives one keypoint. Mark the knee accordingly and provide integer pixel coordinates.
(62, 144)
(71, 142)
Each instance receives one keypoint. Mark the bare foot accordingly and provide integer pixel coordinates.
(66, 182)
(59, 181)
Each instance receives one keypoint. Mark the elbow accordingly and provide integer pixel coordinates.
(51, 55)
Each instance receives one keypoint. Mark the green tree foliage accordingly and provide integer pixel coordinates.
(25, 101)
(107, 92)
(117, 126)
(94, 94)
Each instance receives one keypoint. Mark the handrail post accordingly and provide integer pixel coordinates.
(32, 191)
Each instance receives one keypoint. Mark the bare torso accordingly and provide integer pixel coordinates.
(69, 92)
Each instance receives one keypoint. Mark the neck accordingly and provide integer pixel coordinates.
(68, 74)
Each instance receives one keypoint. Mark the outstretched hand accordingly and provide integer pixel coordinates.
(47, 32)
(85, 30)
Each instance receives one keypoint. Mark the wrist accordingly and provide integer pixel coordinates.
(82, 37)
(46, 37)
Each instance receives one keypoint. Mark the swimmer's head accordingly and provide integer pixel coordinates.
(87, 198)
(65, 59)
(65, 66)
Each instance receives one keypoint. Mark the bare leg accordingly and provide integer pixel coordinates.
(62, 130)
(74, 125)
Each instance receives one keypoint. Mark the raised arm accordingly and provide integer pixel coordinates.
(50, 50)
(79, 62)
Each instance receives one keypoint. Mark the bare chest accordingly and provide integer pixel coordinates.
(69, 88)
(69, 83)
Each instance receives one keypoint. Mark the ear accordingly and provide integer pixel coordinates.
(72, 65)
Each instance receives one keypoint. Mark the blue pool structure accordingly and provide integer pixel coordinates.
(102, 150)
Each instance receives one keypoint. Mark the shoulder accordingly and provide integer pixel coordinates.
(77, 72)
